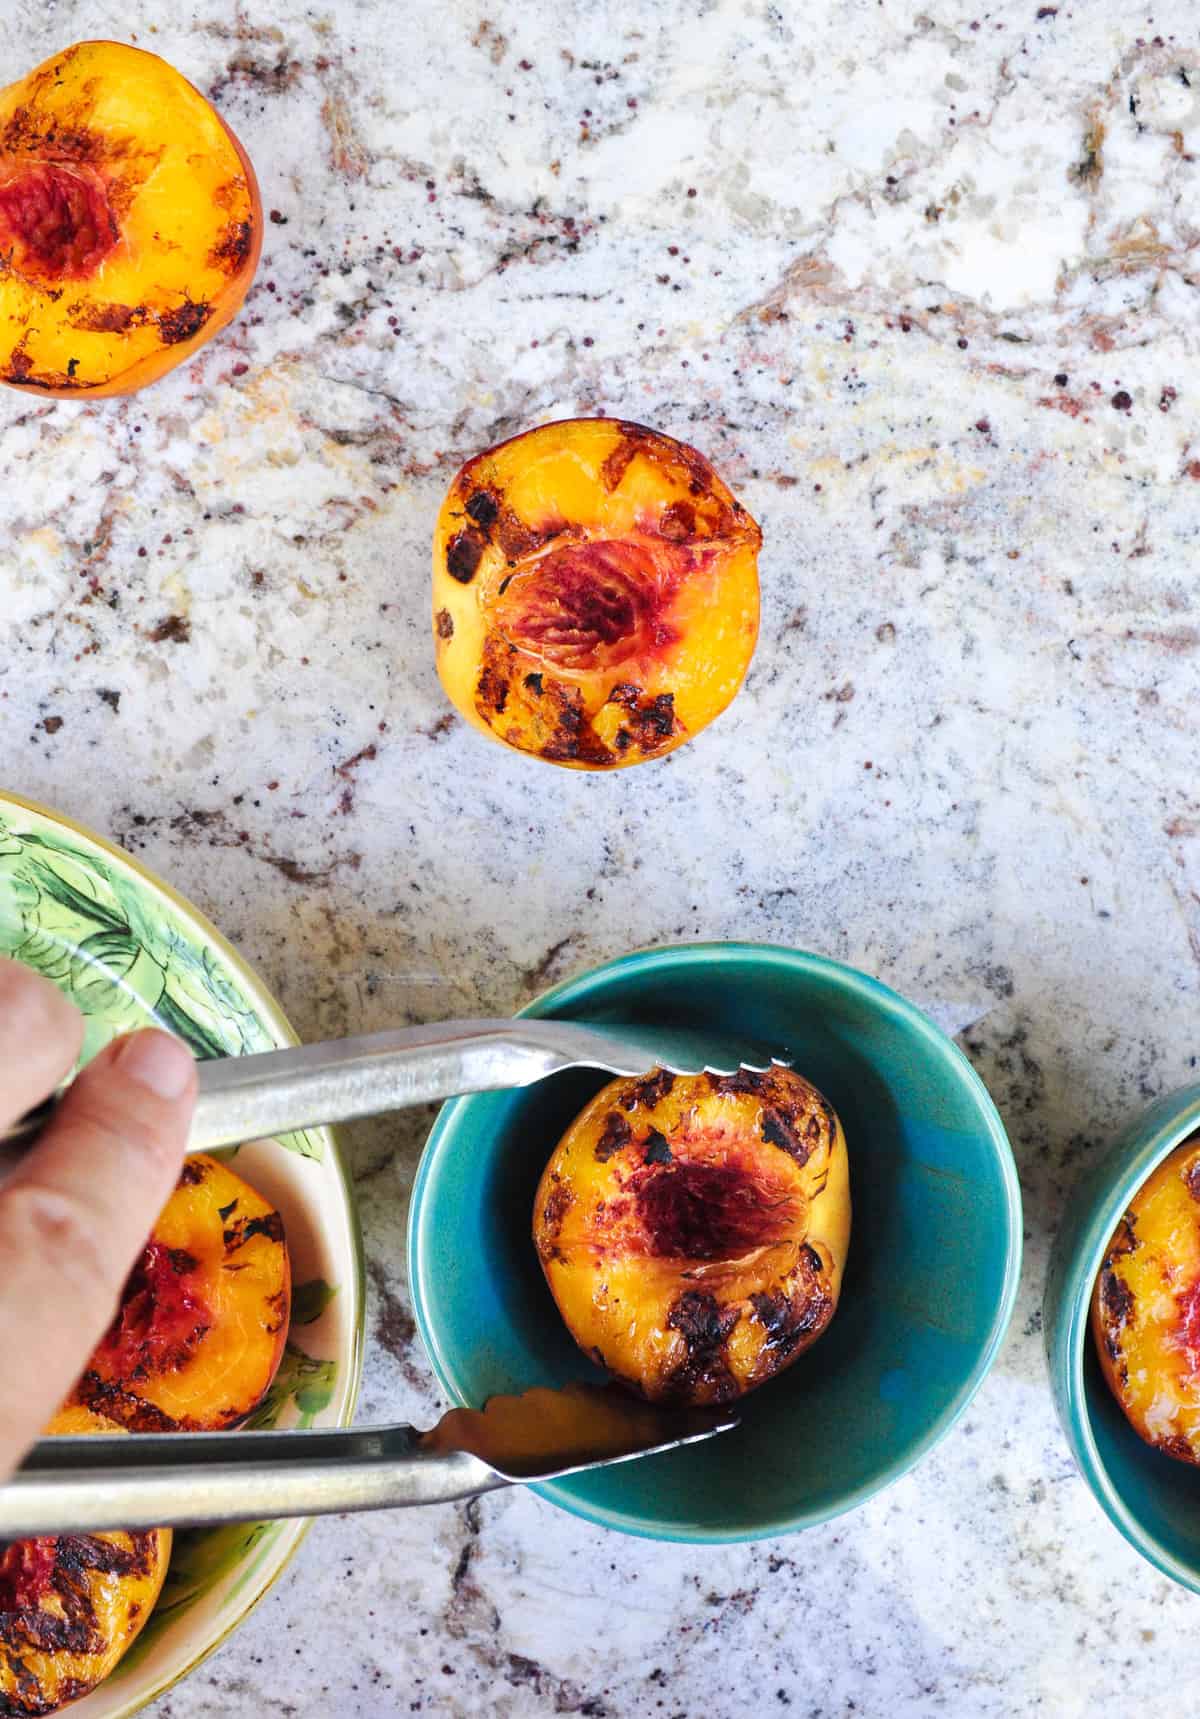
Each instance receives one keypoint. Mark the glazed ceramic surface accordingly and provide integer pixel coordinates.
(1153, 1499)
(131, 953)
(935, 1245)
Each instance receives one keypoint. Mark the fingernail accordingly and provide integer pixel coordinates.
(159, 1062)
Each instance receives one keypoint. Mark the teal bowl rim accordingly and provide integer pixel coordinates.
(880, 996)
(1068, 1303)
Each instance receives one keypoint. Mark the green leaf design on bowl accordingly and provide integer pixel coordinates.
(310, 1382)
(122, 958)
(309, 1300)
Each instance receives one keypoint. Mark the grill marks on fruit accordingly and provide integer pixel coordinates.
(650, 1091)
(616, 1134)
(794, 1117)
(464, 552)
(232, 247)
(1117, 1299)
(649, 721)
(444, 624)
(108, 318)
(242, 1230)
(483, 508)
(678, 522)
(572, 737)
(556, 1208)
(778, 1131)
(161, 1319)
(112, 1400)
(56, 222)
(792, 1320)
(705, 1327)
(543, 716)
(635, 439)
(704, 1211)
(676, 459)
(182, 323)
(656, 1149)
(61, 1567)
(742, 1080)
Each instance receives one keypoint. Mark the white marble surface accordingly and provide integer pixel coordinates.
(846, 248)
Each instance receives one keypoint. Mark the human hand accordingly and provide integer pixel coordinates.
(78, 1208)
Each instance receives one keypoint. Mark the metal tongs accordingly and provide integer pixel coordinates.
(276, 1092)
(139, 1480)
(85, 1485)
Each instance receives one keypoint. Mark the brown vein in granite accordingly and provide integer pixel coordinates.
(471, 1616)
(214, 829)
(394, 1329)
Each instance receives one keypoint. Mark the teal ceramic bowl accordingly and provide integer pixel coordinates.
(1151, 1498)
(935, 1247)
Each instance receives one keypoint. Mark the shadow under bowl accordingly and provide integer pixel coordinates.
(934, 1252)
(1153, 1499)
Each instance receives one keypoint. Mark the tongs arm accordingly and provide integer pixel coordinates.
(152, 1480)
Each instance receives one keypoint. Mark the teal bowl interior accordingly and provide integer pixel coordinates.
(934, 1253)
(1153, 1499)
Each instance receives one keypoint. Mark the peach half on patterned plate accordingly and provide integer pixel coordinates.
(595, 593)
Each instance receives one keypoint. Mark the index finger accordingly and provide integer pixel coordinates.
(74, 1214)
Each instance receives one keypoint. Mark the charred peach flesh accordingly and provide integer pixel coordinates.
(595, 593)
(71, 1604)
(130, 222)
(1146, 1307)
(693, 1229)
(203, 1320)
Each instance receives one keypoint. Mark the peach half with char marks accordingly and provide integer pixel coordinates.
(72, 1604)
(130, 222)
(595, 593)
(1146, 1307)
(693, 1229)
(203, 1320)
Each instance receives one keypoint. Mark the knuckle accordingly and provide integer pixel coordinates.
(124, 1126)
(52, 1224)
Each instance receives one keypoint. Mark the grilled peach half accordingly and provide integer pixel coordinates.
(203, 1320)
(130, 222)
(595, 593)
(71, 1604)
(693, 1229)
(1146, 1307)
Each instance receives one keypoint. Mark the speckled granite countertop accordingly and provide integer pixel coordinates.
(920, 280)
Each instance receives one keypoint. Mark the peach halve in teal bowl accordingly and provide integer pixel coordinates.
(935, 1245)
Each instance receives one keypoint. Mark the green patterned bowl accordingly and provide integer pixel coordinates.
(131, 953)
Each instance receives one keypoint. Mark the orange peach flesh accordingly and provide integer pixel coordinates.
(595, 593)
(693, 1230)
